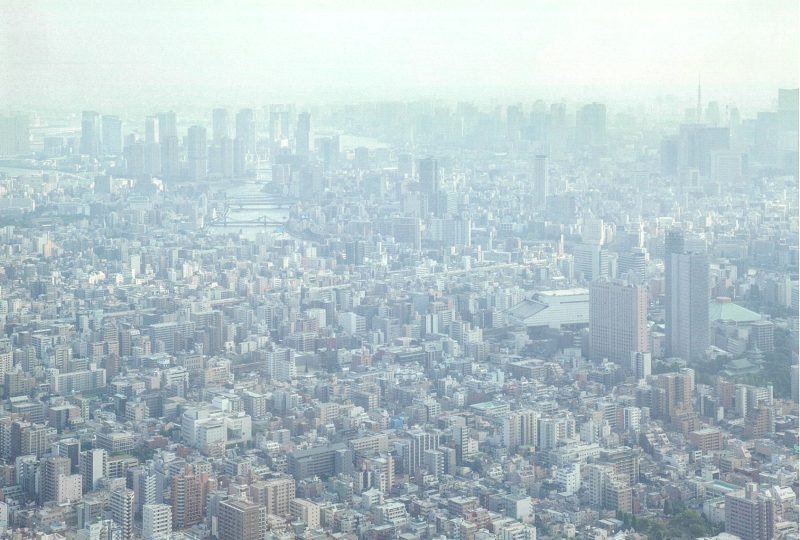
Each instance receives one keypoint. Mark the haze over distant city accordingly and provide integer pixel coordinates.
(252, 52)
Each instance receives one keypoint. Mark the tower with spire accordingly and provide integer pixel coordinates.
(699, 103)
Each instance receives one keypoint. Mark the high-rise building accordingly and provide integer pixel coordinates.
(170, 157)
(241, 520)
(144, 487)
(92, 467)
(151, 131)
(405, 165)
(112, 135)
(696, 144)
(304, 137)
(429, 176)
(275, 495)
(618, 320)
(156, 521)
(591, 260)
(167, 124)
(91, 141)
(641, 364)
(15, 135)
(521, 428)
(541, 183)
(221, 125)
(246, 129)
(50, 471)
(590, 125)
(672, 394)
(122, 509)
(196, 153)
(186, 500)
(687, 287)
(749, 515)
(406, 230)
(451, 232)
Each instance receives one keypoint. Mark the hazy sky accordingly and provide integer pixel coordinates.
(100, 53)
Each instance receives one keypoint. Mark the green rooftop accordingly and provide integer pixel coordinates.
(721, 308)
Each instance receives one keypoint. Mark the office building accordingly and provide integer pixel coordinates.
(112, 135)
(304, 137)
(151, 132)
(618, 320)
(591, 261)
(91, 136)
(405, 165)
(167, 124)
(196, 153)
(246, 129)
(687, 294)
(590, 125)
(220, 125)
(14, 135)
(429, 177)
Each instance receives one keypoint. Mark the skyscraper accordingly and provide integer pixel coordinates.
(167, 124)
(91, 143)
(540, 181)
(687, 286)
(196, 153)
(151, 132)
(221, 125)
(429, 176)
(170, 156)
(405, 165)
(304, 138)
(590, 125)
(242, 520)
(618, 320)
(14, 135)
(112, 135)
(246, 129)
